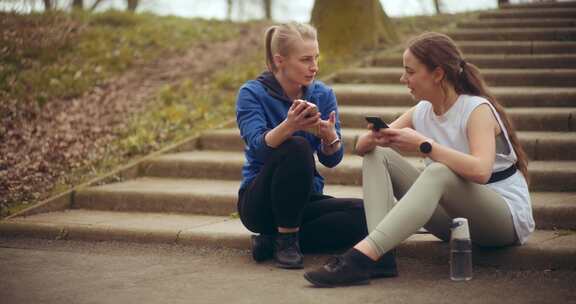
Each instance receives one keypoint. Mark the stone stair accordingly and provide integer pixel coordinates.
(528, 56)
(501, 77)
(517, 47)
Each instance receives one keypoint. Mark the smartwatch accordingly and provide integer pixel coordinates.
(425, 147)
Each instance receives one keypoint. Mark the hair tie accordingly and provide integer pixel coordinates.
(462, 65)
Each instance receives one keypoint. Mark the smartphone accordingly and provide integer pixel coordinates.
(314, 109)
(376, 122)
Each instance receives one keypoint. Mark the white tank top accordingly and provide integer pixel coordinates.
(450, 129)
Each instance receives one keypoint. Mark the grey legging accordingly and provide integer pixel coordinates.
(427, 199)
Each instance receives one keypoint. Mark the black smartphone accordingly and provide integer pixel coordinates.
(376, 122)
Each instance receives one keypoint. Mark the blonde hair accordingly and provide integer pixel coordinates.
(279, 39)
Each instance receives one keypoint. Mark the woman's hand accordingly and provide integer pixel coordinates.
(405, 139)
(368, 141)
(302, 116)
(327, 132)
(327, 129)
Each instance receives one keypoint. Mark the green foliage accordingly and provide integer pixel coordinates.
(58, 55)
(406, 26)
(188, 107)
(115, 19)
(49, 57)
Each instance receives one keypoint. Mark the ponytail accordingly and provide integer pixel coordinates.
(268, 44)
(471, 82)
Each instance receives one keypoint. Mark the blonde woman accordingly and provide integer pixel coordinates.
(285, 116)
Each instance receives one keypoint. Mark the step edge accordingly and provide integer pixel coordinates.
(539, 255)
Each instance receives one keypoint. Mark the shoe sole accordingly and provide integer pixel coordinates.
(324, 285)
(384, 275)
(286, 266)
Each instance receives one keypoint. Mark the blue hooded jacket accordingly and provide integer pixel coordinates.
(261, 105)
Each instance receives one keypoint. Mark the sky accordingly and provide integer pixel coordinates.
(283, 10)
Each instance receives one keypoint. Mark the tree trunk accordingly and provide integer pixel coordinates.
(95, 4)
(437, 7)
(501, 2)
(229, 9)
(48, 5)
(267, 9)
(78, 4)
(132, 5)
(346, 26)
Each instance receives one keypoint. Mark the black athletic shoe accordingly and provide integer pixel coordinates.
(385, 267)
(339, 271)
(262, 247)
(287, 251)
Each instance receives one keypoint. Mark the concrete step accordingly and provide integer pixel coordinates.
(524, 119)
(493, 77)
(518, 23)
(499, 61)
(93, 225)
(561, 12)
(549, 145)
(170, 195)
(540, 5)
(552, 210)
(398, 95)
(166, 195)
(517, 47)
(555, 176)
(544, 249)
(538, 145)
(515, 34)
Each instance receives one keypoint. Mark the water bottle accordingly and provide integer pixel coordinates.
(460, 251)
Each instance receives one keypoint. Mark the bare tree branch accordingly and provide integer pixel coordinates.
(437, 7)
(95, 5)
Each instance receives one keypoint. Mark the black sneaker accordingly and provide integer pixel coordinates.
(339, 271)
(262, 247)
(385, 267)
(287, 251)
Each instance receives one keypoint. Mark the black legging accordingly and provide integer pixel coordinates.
(281, 196)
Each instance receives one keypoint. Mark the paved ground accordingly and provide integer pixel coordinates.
(38, 271)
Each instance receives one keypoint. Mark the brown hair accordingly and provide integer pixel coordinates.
(279, 39)
(438, 50)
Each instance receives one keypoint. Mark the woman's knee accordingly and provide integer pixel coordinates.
(377, 156)
(295, 145)
(296, 153)
(438, 171)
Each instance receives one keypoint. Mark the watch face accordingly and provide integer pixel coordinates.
(425, 147)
